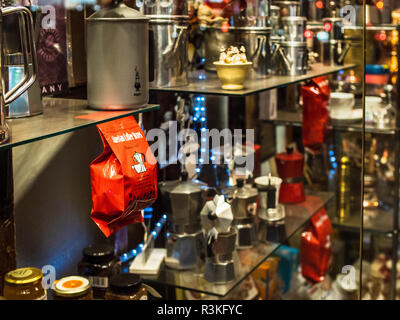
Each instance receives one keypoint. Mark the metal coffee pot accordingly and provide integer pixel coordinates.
(271, 214)
(221, 257)
(244, 207)
(26, 32)
(169, 22)
(183, 200)
(290, 58)
(117, 58)
(335, 49)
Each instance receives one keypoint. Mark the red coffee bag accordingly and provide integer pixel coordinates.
(315, 97)
(123, 177)
(316, 247)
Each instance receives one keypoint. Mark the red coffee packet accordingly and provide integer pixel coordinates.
(316, 247)
(315, 97)
(123, 177)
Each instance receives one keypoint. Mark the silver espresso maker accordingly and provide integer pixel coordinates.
(25, 33)
(221, 256)
(183, 200)
(244, 207)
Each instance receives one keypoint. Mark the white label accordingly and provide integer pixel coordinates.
(99, 282)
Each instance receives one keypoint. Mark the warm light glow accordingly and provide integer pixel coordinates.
(225, 27)
(380, 5)
(319, 4)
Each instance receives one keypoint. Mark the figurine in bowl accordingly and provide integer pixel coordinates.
(232, 68)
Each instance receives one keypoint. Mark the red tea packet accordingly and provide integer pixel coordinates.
(123, 177)
(315, 97)
(316, 247)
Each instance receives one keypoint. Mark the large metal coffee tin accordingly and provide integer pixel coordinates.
(117, 58)
(289, 8)
(291, 58)
(170, 35)
(294, 28)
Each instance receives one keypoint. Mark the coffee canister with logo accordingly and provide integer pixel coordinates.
(117, 58)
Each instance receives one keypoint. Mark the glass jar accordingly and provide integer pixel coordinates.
(73, 288)
(126, 286)
(24, 284)
(98, 265)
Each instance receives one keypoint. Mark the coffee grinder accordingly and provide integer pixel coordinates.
(221, 257)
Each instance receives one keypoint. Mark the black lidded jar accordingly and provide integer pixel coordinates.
(126, 286)
(98, 264)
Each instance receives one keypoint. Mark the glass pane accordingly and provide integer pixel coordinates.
(381, 192)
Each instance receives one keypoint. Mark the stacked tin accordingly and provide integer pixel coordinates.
(290, 55)
(169, 22)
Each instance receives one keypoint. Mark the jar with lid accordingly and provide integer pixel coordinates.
(72, 288)
(126, 286)
(98, 265)
(24, 284)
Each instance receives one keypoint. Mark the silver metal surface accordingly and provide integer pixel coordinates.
(288, 8)
(170, 52)
(27, 45)
(275, 20)
(183, 201)
(163, 7)
(246, 234)
(184, 250)
(333, 52)
(272, 230)
(290, 58)
(293, 28)
(117, 59)
(220, 261)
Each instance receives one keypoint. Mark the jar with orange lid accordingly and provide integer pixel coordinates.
(24, 284)
(72, 288)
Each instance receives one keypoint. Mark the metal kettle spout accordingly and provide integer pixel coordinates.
(288, 62)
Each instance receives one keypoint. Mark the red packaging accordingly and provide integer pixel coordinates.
(316, 247)
(315, 97)
(123, 177)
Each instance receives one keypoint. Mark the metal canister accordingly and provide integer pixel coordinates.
(294, 28)
(170, 36)
(274, 20)
(290, 58)
(289, 8)
(343, 198)
(117, 58)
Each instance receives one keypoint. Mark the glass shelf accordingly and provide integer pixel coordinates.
(376, 222)
(61, 116)
(296, 218)
(202, 82)
(295, 119)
